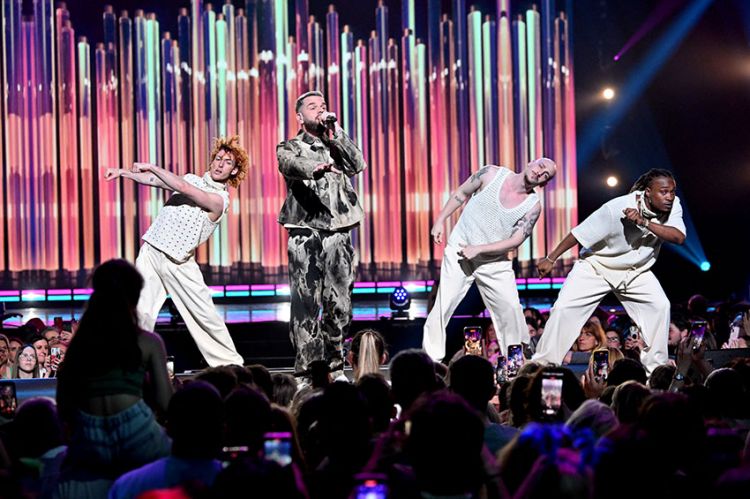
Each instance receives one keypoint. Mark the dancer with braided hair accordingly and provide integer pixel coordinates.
(620, 242)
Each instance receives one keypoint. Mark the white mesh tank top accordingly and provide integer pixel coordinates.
(484, 220)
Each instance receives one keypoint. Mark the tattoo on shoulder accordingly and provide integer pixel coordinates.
(527, 222)
(477, 177)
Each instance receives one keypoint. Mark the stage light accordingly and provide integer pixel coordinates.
(612, 181)
(705, 266)
(608, 93)
(400, 302)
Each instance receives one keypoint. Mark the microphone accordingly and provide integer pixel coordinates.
(329, 119)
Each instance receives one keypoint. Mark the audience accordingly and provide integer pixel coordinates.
(683, 430)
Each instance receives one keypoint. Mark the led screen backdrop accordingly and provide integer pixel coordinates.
(491, 87)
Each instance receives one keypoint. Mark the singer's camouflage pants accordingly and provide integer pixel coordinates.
(321, 275)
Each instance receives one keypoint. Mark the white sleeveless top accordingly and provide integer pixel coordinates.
(484, 219)
(181, 225)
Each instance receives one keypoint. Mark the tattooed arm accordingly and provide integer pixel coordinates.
(521, 230)
(145, 178)
(459, 197)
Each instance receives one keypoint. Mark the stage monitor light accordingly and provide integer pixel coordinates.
(608, 93)
(612, 181)
(705, 266)
(400, 299)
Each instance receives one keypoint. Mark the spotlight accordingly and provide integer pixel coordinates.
(612, 181)
(705, 266)
(608, 93)
(400, 302)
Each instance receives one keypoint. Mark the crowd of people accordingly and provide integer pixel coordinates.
(119, 427)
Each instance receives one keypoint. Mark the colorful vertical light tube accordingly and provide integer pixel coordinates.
(347, 80)
(333, 56)
(569, 159)
(410, 166)
(361, 134)
(12, 122)
(130, 230)
(394, 200)
(505, 92)
(475, 90)
(520, 101)
(109, 213)
(377, 152)
(67, 106)
(422, 156)
(222, 253)
(536, 132)
(47, 202)
(86, 151)
(269, 124)
(460, 72)
(184, 38)
(301, 16)
(489, 91)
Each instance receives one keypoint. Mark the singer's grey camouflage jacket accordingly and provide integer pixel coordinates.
(328, 201)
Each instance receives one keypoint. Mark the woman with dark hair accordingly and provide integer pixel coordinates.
(100, 385)
(26, 365)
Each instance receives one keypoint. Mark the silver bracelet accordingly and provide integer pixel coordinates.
(549, 260)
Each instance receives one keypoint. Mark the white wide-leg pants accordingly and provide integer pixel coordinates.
(643, 299)
(497, 285)
(185, 285)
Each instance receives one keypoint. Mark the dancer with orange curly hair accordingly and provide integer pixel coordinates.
(166, 260)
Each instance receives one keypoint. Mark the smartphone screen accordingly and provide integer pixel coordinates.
(697, 332)
(473, 340)
(601, 365)
(552, 383)
(170, 367)
(8, 400)
(501, 375)
(515, 360)
(230, 454)
(278, 447)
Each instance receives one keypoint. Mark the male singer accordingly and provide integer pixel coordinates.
(319, 213)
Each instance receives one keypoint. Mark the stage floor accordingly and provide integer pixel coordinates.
(255, 311)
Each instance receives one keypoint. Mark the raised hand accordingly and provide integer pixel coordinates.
(112, 173)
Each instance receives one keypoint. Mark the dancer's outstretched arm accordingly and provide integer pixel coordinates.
(148, 174)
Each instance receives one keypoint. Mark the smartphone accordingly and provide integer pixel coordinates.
(371, 487)
(634, 332)
(170, 366)
(552, 383)
(501, 375)
(59, 324)
(8, 400)
(697, 332)
(515, 360)
(278, 447)
(601, 365)
(55, 354)
(230, 454)
(473, 340)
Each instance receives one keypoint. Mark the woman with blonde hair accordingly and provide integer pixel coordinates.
(368, 353)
